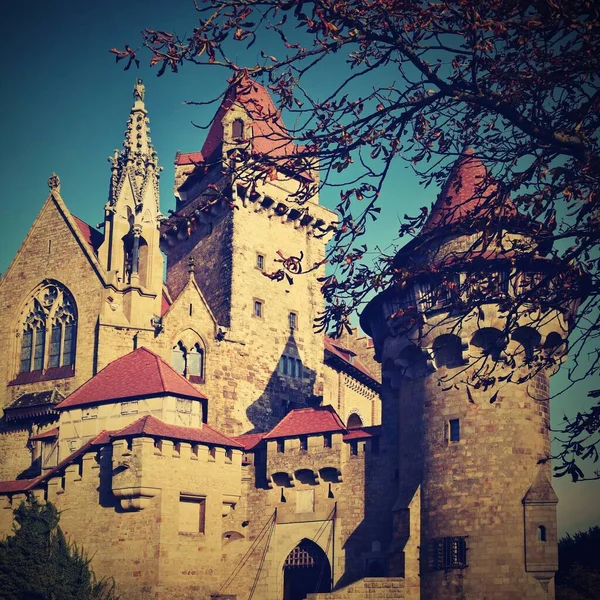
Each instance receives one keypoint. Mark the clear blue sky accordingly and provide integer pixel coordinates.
(64, 109)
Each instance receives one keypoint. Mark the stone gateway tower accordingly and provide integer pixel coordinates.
(469, 375)
(201, 441)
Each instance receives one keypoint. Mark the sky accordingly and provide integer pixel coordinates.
(64, 109)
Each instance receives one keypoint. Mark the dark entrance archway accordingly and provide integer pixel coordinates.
(306, 570)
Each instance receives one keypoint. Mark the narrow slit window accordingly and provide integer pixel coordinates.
(260, 261)
(454, 430)
(258, 308)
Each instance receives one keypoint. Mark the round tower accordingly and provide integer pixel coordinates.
(468, 337)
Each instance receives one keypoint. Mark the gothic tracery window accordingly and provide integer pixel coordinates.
(49, 330)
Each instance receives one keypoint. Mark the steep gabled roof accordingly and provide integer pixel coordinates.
(139, 374)
(24, 485)
(249, 440)
(188, 158)
(269, 135)
(153, 427)
(363, 433)
(306, 421)
(92, 236)
(148, 425)
(46, 435)
(468, 193)
(349, 362)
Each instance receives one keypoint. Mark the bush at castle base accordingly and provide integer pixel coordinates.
(37, 562)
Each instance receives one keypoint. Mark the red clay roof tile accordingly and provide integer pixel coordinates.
(137, 374)
(468, 193)
(92, 236)
(305, 421)
(347, 356)
(249, 440)
(152, 426)
(188, 158)
(51, 433)
(363, 433)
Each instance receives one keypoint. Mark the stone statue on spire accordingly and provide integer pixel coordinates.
(139, 90)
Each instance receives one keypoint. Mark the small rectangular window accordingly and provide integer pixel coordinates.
(280, 445)
(298, 368)
(303, 442)
(448, 553)
(293, 320)
(260, 261)
(454, 430)
(327, 440)
(258, 308)
(129, 408)
(192, 514)
(354, 448)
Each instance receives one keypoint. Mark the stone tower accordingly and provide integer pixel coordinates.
(468, 379)
(130, 252)
(239, 218)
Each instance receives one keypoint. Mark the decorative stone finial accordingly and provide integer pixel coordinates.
(139, 90)
(54, 182)
(191, 265)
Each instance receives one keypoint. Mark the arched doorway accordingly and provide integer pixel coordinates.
(306, 570)
(354, 420)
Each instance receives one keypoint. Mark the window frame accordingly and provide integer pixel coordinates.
(48, 332)
(260, 313)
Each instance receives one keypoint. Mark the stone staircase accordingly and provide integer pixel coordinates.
(369, 588)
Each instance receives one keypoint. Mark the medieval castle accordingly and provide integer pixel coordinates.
(203, 442)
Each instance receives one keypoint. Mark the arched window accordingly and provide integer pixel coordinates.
(354, 420)
(49, 331)
(529, 339)
(189, 361)
(490, 341)
(541, 533)
(447, 351)
(237, 129)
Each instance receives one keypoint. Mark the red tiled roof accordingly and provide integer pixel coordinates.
(137, 374)
(164, 304)
(347, 356)
(363, 433)
(468, 193)
(269, 135)
(188, 158)
(147, 425)
(152, 426)
(92, 236)
(24, 485)
(51, 433)
(249, 440)
(305, 421)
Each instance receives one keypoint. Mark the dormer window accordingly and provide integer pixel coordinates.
(237, 129)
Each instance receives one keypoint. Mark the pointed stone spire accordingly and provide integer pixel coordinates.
(138, 156)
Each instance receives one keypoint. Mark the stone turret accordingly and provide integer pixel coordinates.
(468, 371)
(130, 252)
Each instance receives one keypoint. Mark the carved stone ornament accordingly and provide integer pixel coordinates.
(54, 182)
(138, 90)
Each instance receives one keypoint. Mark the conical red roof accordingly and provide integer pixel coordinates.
(269, 135)
(469, 193)
(139, 374)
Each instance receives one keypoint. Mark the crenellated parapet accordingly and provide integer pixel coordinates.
(139, 465)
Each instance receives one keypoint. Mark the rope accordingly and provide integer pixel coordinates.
(262, 559)
(246, 556)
